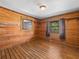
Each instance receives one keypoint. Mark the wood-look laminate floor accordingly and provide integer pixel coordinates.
(40, 49)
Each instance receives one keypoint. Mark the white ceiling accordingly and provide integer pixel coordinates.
(30, 7)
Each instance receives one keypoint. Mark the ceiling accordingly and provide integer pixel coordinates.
(31, 7)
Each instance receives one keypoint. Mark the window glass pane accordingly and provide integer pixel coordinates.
(27, 24)
(54, 26)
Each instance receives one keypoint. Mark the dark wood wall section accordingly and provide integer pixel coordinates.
(11, 32)
(71, 28)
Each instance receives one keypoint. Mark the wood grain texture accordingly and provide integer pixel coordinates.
(71, 28)
(40, 49)
(14, 34)
(72, 32)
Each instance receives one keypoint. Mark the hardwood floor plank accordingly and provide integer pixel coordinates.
(12, 54)
(16, 54)
(3, 54)
(30, 53)
(25, 53)
(19, 52)
(40, 49)
(7, 56)
(38, 52)
(0, 53)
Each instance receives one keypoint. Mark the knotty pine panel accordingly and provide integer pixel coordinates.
(71, 31)
(11, 35)
(71, 28)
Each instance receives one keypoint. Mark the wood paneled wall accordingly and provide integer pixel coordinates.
(71, 28)
(72, 32)
(14, 34)
(39, 31)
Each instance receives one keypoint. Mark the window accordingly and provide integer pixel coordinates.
(27, 24)
(54, 26)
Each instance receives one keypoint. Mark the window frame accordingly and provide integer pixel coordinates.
(27, 28)
(54, 30)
